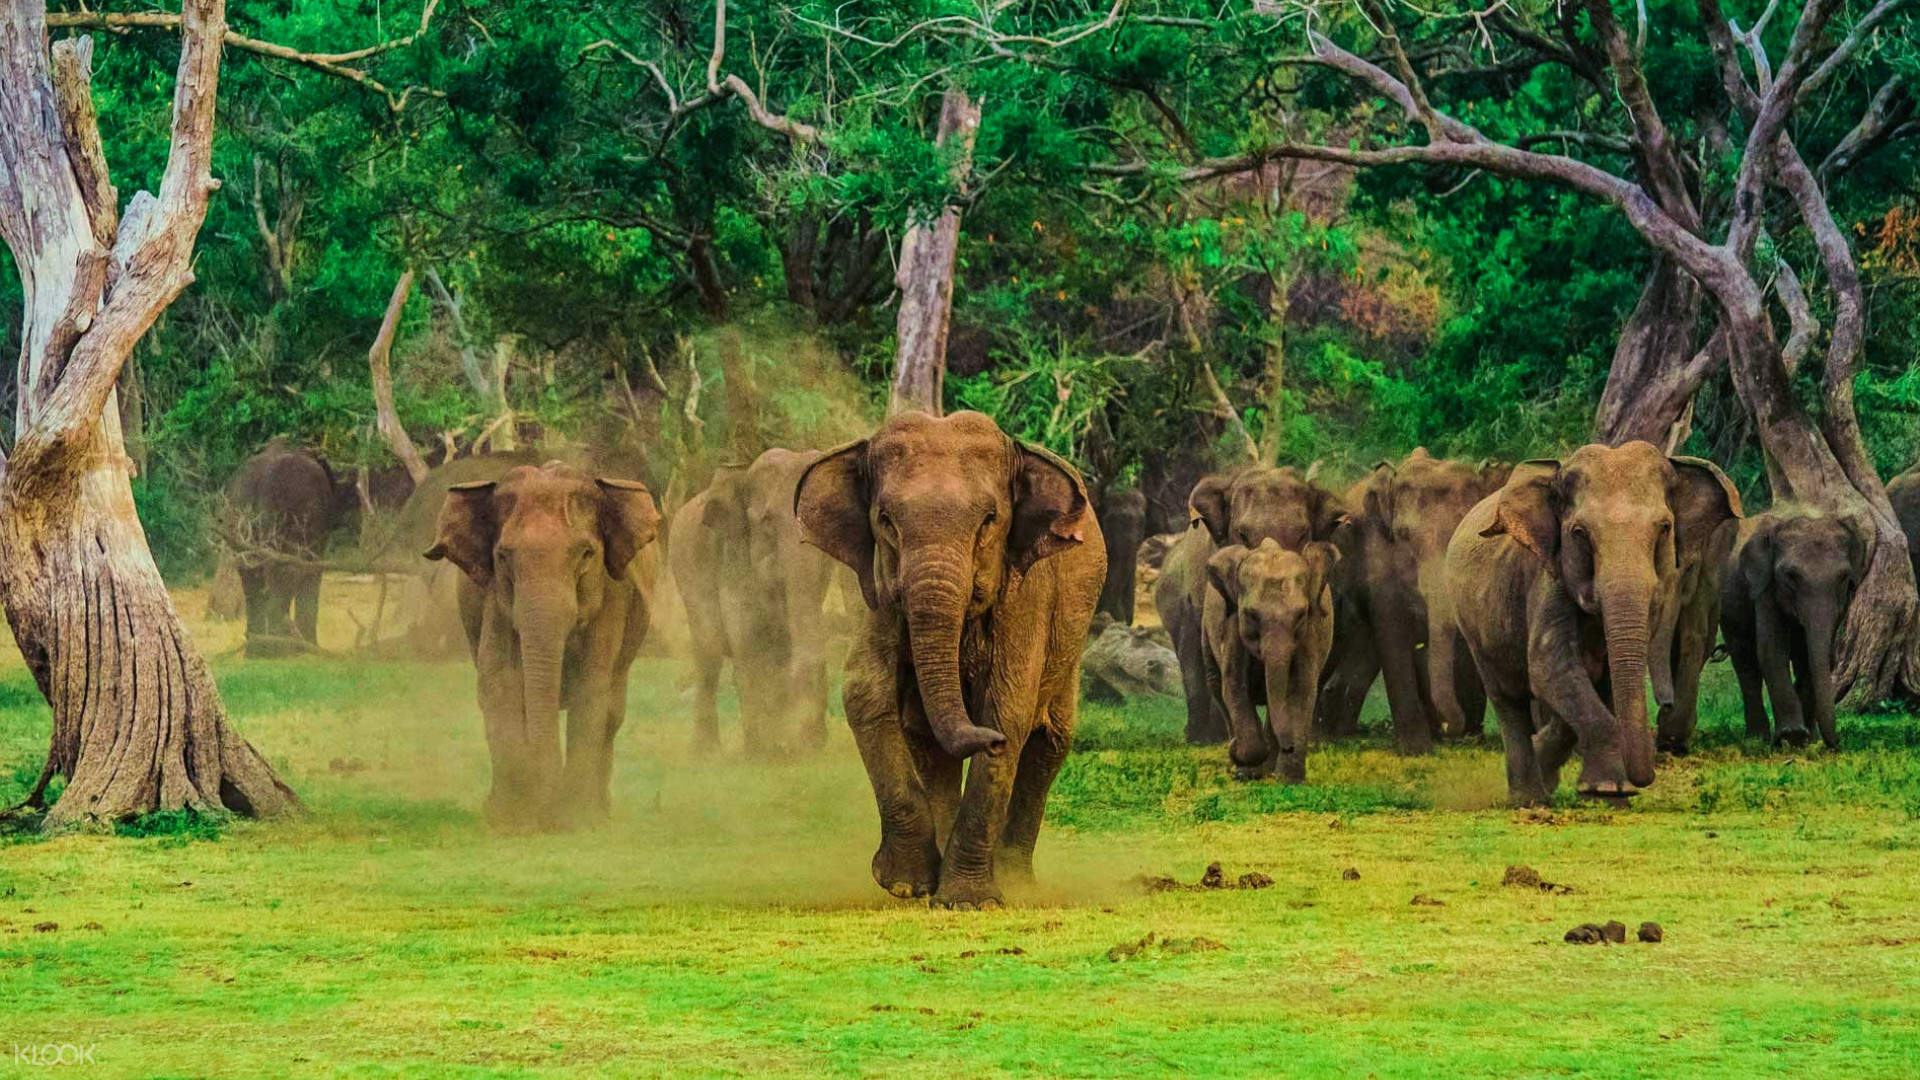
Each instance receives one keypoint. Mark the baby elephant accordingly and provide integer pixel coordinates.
(1268, 625)
(555, 595)
(1783, 596)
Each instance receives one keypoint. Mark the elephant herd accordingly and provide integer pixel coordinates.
(1552, 590)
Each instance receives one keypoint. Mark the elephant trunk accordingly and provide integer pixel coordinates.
(544, 621)
(1290, 731)
(1660, 650)
(1440, 669)
(936, 603)
(1626, 607)
(1821, 627)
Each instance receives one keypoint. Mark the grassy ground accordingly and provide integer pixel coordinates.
(725, 924)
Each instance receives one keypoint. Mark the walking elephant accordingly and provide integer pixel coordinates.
(754, 592)
(1123, 519)
(1397, 614)
(555, 595)
(1243, 507)
(1562, 585)
(1268, 627)
(1783, 597)
(1696, 626)
(283, 503)
(980, 561)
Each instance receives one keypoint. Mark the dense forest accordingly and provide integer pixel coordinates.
(628, 223)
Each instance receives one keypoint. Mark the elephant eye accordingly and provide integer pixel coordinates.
(1580, 531)
(886, 521)
(993, 515)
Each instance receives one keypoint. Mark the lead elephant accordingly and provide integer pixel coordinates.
(1268, 626)
(754, 592)
(555, 597)
(1397, 616)
(283, 503)
(980, 562)
(1783, 597)
(1244, 507)
(1560, 583)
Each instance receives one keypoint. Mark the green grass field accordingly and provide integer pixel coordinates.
(724, 923)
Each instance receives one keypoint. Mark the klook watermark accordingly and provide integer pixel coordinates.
(49, 1055)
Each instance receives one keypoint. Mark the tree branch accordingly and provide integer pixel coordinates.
(334, 64)
(379, 363)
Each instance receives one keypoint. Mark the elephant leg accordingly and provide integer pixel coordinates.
(1010, 705)
(1040, 762)
(514, 800)
(1352, 673)
(706, 713)
(907, 863)
(1553, 743)
(761, 686)
(1774, 643)
(940, 772)
(582, 795)
(1412, 727)
(1803, 685)
(616, 719)
(1753, 704)
(1206, 717)
(306, 607)
(253, 587)
(1524, 784)
(807, 674)
(1558, 679)
(1674, 728)
(1469, 691)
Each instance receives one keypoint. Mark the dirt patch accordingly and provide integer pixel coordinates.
(1351, 873)
(1526, 877)
(1214, 879)
(1423, 900)
(1651, 933)
(1010, 950)
(1132, 950)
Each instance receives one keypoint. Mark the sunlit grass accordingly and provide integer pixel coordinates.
(724, 922)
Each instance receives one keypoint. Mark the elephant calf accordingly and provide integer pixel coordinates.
(980, 561)
(555, 597)
(1783, 595)
(1269, 626)
(284, 502)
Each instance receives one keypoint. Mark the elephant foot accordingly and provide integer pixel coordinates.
(1292, 773)
(907, 870)
(1676, 746)
(1249, 773)
(1014, 866)
(1607, 789)
(1526, 800)
(1792, 736)
(969, 894)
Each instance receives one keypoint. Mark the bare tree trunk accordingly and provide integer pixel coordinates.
(926, 277)
(138, 725)
(488, 379)
(379, 360)
(1656, 366)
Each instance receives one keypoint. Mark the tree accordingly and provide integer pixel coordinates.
(138, 725)
(925, 277)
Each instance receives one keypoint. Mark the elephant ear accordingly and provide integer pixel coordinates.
(1326, 512)
(1223, 574)
(1857, 550)
(628, 521)
(1209, 503)
(1379, 498)
(725, 513)
(1321, 558)
(1049, 506)
(1528, 508)
(1756, 560)
(1494, 475)
(468, 527)
(831, 502)
(1703, 500)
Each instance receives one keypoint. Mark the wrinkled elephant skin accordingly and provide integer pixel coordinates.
(1269, 625)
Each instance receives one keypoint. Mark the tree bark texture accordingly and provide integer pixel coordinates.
(925, 277)
(380, 364)
(138, 725)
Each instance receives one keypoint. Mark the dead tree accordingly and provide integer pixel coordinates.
(138, 725)
(380, 365)
(925, 277)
